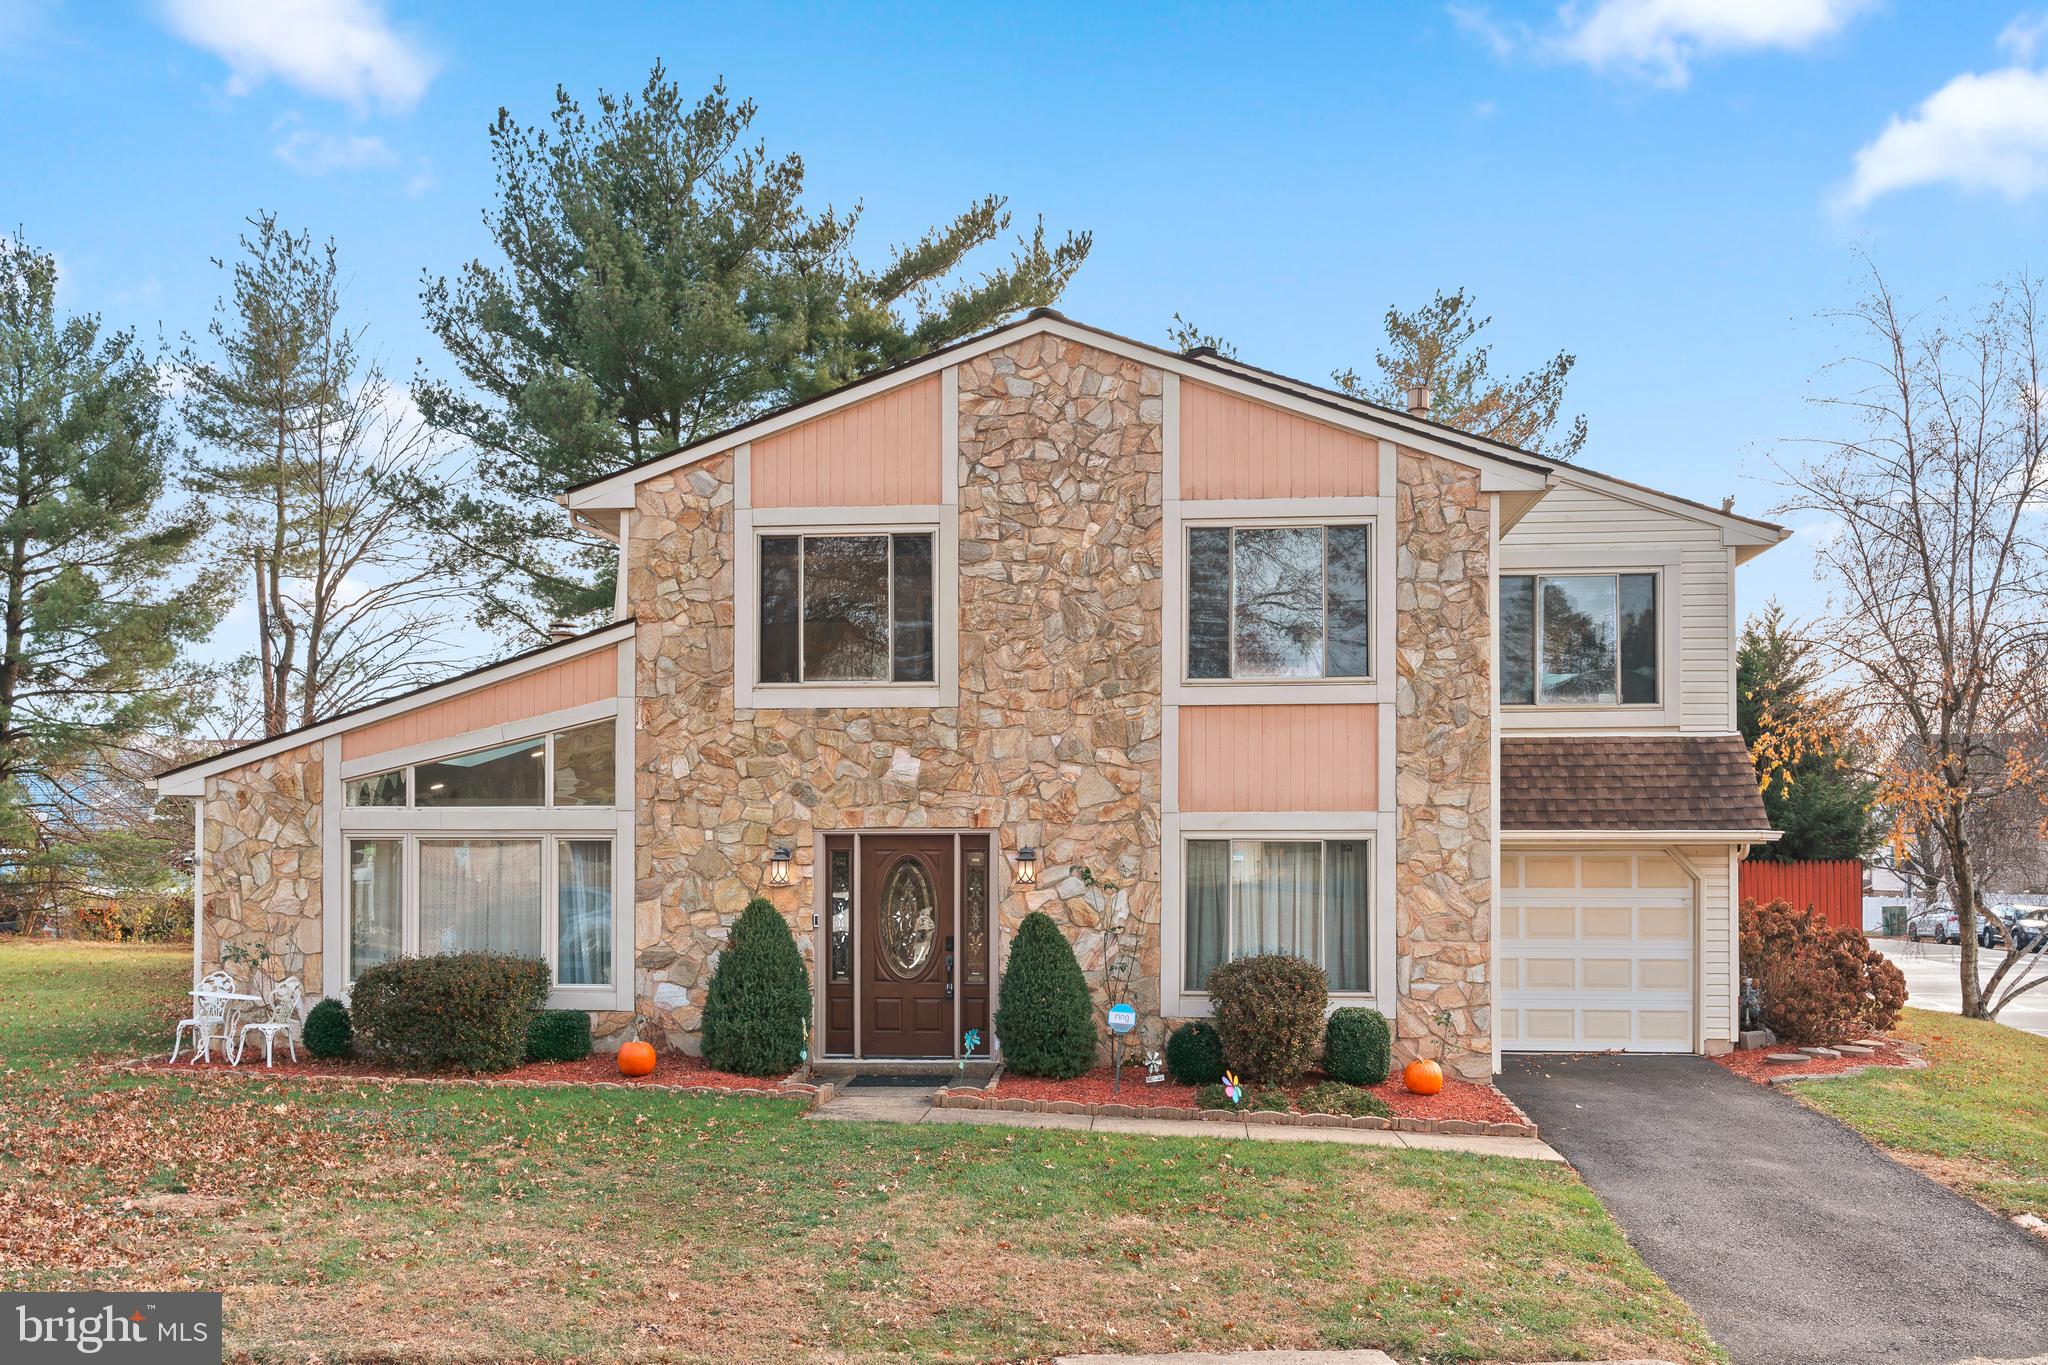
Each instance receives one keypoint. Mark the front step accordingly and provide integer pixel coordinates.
(939, 1070)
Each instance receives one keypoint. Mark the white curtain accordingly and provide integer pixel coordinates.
(1277, 898)
(480, 895)
(1208, 936)
(376, 902)
(1347, 937)
(583, 879)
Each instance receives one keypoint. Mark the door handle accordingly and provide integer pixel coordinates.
(949, 972)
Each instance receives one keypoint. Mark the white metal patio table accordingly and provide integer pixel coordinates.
(234, 1000)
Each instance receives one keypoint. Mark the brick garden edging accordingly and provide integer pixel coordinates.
(815, 1093)
(975, 1097)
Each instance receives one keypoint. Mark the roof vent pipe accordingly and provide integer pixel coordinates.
(1418, 400)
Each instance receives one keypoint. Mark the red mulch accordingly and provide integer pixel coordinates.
(1750, 1063)
(1458, 1099)
(670, 1069)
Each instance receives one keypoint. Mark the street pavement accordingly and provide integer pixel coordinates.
(1934, 980)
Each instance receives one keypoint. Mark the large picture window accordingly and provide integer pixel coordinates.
(548, 896)
(1578, 640)
(1308, 898)
(1279, 602)
(846, 608)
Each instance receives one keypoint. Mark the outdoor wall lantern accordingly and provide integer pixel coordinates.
(778, 867)
(1027, 867)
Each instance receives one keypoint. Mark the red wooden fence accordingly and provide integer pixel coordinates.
(1833, 889)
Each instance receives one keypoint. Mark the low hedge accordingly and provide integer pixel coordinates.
(448, 1012)
(1358, 1047)
(327, 1034)
(1335, 1097)
(558, 1036)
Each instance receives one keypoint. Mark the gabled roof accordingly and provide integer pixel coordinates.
(175, 781)
(1512, 466)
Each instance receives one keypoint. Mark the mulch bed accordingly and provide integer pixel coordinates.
(672, 1071)
(1472, 1108)
(1754, 1064)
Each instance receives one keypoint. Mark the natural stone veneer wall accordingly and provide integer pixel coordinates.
(261, 878)
(1443, 873)
(1055, 743)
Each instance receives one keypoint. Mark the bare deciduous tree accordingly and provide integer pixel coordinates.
(1937, 569)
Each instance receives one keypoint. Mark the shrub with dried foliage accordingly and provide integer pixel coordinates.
(1819, 983)
(1269, 1010)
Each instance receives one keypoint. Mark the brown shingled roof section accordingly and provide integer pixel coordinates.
(1629, 782)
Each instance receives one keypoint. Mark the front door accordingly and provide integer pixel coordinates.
(906, 908)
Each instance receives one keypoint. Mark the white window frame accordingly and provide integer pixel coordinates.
(940, 522)
(575, 996)
(1373, 513)
(546, 822)
(1618, 715)
(1177, 997)
(889, 539)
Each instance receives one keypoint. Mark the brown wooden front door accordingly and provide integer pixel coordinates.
(907, 945)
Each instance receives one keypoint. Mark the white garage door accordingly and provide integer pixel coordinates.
(1596, 952)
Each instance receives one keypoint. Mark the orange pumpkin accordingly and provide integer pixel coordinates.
(1422, 1077)
(636, 1059)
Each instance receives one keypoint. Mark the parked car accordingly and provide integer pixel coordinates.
(2026, 923)
(1936, 922)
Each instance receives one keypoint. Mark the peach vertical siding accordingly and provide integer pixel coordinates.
(1232, 447)
(883, 452)
(575, 682)
(1279, 758)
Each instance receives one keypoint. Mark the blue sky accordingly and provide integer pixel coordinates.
(1676, 190)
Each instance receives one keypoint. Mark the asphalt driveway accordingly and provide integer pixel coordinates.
(1794, 1239)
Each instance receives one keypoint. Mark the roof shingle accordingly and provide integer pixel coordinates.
(1628, 782)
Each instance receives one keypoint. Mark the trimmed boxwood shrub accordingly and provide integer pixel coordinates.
(757, 1014)
(558, 1036)
(1817, 983)
(1194, 1053)
(1269, 1009)
(1358, 1047)
(327, 1033)
(448, 1012)
(1045, 1021)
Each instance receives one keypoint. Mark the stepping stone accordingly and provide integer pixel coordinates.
(1820, 1052)
(1855, 1050)
(1784, 1058)
(1870, 1042)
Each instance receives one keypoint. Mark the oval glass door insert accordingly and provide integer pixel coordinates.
(910, 925)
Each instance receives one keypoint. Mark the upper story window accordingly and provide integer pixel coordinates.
(1276, 602)
(1578, 639)
(846, 608)
(571, 767)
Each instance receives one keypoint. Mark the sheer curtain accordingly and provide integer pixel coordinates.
(1277, 905)
(480, 895)
(583, 879)
(1347, 934)
(1208, 877)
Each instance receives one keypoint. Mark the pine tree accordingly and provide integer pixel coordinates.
(96, 604)
(662, 279)
(1811, 789)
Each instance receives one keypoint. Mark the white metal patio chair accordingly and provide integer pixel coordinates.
(209, 1018)
(283, 1005)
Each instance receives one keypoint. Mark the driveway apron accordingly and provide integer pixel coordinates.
(1793, 1238)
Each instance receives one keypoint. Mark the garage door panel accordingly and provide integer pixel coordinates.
(1596, 953)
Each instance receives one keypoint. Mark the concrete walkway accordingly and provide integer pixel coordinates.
(880, 1104)
(1795, 1240)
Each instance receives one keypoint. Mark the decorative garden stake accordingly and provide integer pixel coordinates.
(970, 1042)
(1232, 1091)
(1155, 1069)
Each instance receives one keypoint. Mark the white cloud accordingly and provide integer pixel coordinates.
(336, 49)
(1662, 39)
(312, 153)
(2022, 37)
(1978, 132)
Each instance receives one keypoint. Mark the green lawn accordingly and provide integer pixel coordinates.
(380, 1221)
(1977, 1119)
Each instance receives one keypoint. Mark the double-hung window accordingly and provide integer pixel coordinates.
(846, 608)
(1309, 898)
(1579, 639)
(1279, 602)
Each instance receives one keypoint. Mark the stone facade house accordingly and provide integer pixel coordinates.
(1195, 658)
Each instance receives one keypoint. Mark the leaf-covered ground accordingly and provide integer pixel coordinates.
(375, 1221)
(1976, 1120)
